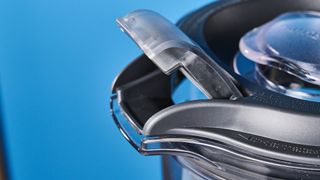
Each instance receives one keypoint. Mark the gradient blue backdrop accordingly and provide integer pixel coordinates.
(58, 59)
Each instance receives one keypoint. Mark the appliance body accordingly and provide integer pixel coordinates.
(255, 133)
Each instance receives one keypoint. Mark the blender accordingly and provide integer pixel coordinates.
(229, 92)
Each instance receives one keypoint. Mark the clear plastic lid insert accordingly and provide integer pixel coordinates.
(290, 43)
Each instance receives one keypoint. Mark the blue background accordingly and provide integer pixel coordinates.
(58, 59)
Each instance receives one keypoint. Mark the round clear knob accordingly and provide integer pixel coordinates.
(290, 43)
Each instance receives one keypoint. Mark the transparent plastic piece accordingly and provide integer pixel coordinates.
(290, 43)
(275, 80)
(170, 49)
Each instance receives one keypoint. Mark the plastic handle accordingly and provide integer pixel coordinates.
(170, 49)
